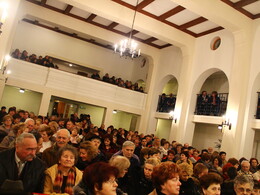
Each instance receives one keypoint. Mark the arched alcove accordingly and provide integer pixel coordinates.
(210, 80)
(213, 96)
(167, 99)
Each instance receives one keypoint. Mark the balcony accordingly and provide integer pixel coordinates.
(54, 79)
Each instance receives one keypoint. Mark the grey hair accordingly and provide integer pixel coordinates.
(64, 130)
(243, 179)
(28, 119)
(21, 137)
(128, 143)
(245, 161)
(120, 162)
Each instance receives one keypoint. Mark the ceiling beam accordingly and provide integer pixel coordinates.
(143, 4)
(91, 17)
(68, 9)
(192, 23)
(112, 25)
(43, 2)
(244, 3)
(171, 12)
(149, 40)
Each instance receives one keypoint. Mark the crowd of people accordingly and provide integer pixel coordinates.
(166, 103)
(208, 104)
(47, 61)
(73, 156)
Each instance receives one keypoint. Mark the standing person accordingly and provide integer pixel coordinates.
(214, 103)
(165, 178)
(21, 163)
(61, 177)
(202, 104)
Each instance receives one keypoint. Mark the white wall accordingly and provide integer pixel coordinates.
(163, 129)
(122, 119)
(171, 87)
(205, 135)
(29, 101)
(46, 42)
(217, 83)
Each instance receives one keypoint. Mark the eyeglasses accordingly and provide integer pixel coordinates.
(247, 190)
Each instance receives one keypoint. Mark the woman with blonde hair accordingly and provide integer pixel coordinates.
(122, 163)
(187, 184)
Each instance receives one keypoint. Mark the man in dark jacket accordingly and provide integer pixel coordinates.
(21, 163)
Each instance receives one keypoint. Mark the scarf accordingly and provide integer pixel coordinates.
(59, 180)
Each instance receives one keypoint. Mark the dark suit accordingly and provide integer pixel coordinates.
(32, 174)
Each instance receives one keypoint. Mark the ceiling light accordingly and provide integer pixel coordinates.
(21, 90)
(128, 47)
(70, 65)
(8, 72)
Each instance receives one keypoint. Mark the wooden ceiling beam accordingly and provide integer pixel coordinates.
(171, 13)
(143, 4)
(192, 23)
(68, 9)
(149, 40)
(43, 2)
(112, 25)
(243, 3)
(91, 17)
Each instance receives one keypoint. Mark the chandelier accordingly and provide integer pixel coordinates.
(128, 47)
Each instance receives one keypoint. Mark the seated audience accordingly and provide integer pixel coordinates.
(165, 178)
(210, 184)
(87, 155)
(98, 178)
(50, 155)
(6, 127)
(243, 185)
(122, 163)
(9, 140)
(61, 177)
(187, 184)
(46, 134)
(253, 165)
(21, 163)
(245, 166)
(145, 185)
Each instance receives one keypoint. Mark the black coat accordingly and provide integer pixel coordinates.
(32, 175)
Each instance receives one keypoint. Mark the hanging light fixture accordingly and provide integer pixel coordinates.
(128, 47)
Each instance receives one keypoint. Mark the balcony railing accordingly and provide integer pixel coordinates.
(166, 103)
(206, 106)
(257, 116)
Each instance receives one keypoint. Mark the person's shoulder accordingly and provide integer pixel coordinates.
(8, 152)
